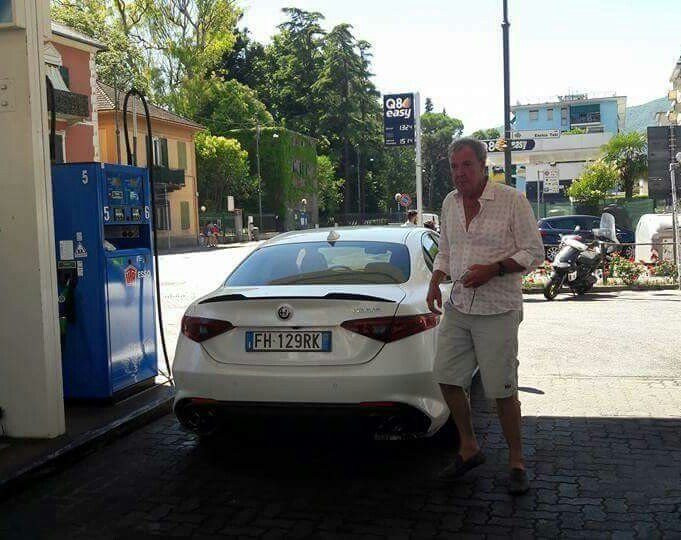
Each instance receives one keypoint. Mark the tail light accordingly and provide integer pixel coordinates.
(200, 328)
(387, 329)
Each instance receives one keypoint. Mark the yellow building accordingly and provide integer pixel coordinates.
(177, 213)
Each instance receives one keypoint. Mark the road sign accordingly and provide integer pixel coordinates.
(405, 200)
(551, 181)
(495, 145)
(230, 203)
(398, 119)
(536, 134)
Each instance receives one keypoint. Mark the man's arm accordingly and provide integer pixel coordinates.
(441, 266)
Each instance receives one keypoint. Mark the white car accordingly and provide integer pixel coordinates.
(321, 321)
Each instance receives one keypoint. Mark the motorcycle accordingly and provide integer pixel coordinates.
(576, 263)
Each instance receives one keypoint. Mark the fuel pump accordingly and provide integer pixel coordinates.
(107, 275)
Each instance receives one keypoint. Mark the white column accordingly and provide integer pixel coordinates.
(30, 360)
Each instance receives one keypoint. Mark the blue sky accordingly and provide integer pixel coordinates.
(450, 50)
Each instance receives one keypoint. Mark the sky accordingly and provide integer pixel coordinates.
(451, 50)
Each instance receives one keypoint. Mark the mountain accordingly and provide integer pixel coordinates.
(641, 116)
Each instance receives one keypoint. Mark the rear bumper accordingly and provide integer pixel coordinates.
(398, 375)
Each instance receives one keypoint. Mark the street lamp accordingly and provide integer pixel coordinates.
(398, 196)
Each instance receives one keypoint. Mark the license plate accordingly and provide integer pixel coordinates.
(572, 276)
(275, 341)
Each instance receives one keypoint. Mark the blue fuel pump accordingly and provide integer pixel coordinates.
(102, 222)
(107, 274)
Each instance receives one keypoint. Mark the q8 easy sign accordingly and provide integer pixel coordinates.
(398, 119)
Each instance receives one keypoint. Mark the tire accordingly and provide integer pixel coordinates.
(552, 288)
(550, 252)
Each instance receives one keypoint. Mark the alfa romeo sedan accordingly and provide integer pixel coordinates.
(317, 322)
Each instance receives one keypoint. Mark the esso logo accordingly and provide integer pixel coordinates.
(398, 107)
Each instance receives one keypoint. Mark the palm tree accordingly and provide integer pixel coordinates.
(628, 152)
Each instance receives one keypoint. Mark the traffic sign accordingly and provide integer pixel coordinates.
(405, 200)
(551, 181)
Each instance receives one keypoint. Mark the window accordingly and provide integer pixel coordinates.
(320, 263)
(160, 149)
(549, 114)
(182, 155)
(534, 115)
(162, 215)
(60, 147)
(430, 249)
(184, 214)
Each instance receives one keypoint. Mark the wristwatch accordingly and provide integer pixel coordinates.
(502, 268)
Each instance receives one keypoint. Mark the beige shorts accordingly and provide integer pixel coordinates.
(489, 342)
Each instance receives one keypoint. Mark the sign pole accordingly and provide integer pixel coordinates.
(538, 194)
(673, 165)
(507, 98)
(417, 147)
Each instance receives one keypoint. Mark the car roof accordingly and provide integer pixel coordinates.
(381, 233)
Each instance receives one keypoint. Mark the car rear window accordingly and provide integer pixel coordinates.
(322, 263)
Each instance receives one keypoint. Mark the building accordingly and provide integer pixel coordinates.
(288, 169)
(566, 134)
(174, 160)
(70, 67)
(673, 114)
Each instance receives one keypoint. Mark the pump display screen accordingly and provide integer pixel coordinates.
(126, 198)
(136, 214)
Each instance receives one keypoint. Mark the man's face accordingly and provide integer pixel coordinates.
(468, 174)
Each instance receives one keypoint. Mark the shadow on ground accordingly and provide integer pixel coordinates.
(591, 477)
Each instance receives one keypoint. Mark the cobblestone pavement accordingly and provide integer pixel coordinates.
(592, 478)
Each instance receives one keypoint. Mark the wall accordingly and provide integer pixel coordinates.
(176, 237)
(523, 121)
(609, 117)
(30, 362)
(80, 140)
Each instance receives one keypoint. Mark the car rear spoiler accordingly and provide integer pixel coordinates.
(329, 296)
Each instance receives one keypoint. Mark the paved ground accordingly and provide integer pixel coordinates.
(601, 395)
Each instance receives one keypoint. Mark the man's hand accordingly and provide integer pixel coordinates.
(479, 274)
(434, 298)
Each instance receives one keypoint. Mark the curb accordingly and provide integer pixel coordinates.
(614, 288)
(86, 442)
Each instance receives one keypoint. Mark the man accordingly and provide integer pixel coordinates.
(412, 217)
(488, 239)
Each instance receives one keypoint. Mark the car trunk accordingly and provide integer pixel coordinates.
(315, 310)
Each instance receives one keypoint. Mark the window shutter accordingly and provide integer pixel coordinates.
(181, 155)
(164, 152)
(184, 214)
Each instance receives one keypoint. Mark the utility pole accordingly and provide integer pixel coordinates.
(257, 159)
(507, 100)
(673, 166)
(359, 195)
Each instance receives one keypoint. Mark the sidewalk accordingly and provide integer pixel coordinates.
(199, 249)
(87, 425)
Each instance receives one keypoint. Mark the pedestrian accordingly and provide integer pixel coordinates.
(412, 217)
(207, 233)
(488, 239)
(215, 232)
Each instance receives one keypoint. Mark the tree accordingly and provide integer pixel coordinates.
(245, 62)
(221, 105)
(222, 170)
(437, 132)
(329, 187)
(350, 99)
(628, 153)
(429, 105)
(485, 134)
(116, 24)
(595, 183)
(293, 63)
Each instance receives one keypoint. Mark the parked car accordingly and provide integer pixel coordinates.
(317, 322)
(552, 227)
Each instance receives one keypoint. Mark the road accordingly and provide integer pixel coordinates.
(600, 386)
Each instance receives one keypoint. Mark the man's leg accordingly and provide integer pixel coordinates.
(508, 410)
(460, 407)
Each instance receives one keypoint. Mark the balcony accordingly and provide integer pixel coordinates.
(173, 178)
(70, 106)
(585, 119)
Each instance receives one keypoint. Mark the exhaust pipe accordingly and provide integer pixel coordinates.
(200, 419)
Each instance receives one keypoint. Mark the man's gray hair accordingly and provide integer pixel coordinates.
(479, 147)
